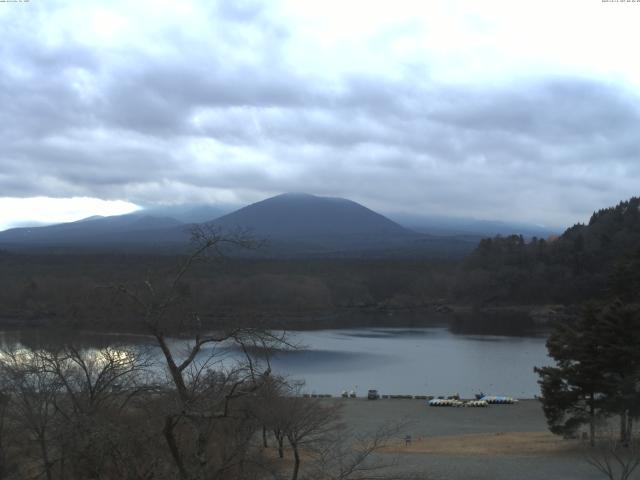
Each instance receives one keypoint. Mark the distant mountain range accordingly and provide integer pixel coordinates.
(293, 224)
(439, 225)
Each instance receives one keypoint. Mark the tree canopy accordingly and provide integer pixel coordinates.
(597, 371)
(572, 268)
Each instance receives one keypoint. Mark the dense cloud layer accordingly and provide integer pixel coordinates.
(152, 104)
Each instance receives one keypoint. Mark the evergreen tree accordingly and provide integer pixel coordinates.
(625, 278)
(574, 389)
(597, 372)
(618, 330)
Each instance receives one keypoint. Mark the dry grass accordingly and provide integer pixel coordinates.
(271, 453)
(520, 443)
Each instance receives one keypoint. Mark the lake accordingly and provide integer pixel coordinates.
(411, 361)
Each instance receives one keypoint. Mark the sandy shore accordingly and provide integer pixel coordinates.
(494, 443)
(514, 443)
(425, 421)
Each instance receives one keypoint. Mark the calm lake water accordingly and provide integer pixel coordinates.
(415, 361)
(430, 360)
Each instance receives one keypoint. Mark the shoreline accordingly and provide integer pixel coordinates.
(508, 320)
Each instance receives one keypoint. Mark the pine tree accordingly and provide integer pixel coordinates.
(597, 372)
(618, 330)
(625, 278)
(573, 391)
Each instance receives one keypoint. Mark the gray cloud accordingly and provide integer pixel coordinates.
(233, 113)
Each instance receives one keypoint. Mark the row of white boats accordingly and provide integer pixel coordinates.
(481, 399)
(480, 402)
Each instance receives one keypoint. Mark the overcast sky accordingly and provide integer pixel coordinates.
(526, 110)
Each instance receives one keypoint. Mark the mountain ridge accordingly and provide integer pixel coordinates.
(291, 215)
(294, 225)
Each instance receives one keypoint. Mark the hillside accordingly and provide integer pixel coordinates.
(580, 264)
(299, 225)
(299, 215)
(293, 226)
(448, 226)
(94, 231)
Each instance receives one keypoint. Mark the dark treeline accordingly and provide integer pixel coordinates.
(70, 289)
(572, 268)
(596, 351)
(503, 271)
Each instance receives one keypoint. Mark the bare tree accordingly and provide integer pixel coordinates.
(270, 410)
(95, 378)
(615, 459)
(307, 423)
(70, 405)
(352, 456)
(32, 394)
(6, 465)
(97, 385)
(94, 413)
(205, 385)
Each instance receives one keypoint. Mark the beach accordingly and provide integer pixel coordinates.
(499, 442)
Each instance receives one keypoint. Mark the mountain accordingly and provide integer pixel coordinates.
(303, 225)
(92, 230)
(293, 225)
(191, 213)
(447, 226)
(299, 215)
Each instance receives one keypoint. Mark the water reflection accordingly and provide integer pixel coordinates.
(37, 339)
(388, 332)
(512, 324)
(429, 360)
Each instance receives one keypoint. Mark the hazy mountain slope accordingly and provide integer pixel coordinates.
(294, 225)
(192, 213)
(439, 225)
(295, 215)
(93, 229)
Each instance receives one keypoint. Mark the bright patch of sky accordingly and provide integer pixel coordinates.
(32, 211)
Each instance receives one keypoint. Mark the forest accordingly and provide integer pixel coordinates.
(574, 268)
